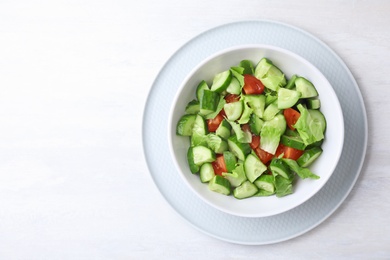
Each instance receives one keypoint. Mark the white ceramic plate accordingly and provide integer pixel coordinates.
(264, 230)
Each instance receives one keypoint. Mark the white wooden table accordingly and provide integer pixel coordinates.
(74, 78)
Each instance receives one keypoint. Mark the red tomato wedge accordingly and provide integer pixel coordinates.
(255, 141)
(288, 152)
(292, 153)
(230, 98)
(213, 124)
(219, 165)
(264, 156)
(291, 116)
(252, 85)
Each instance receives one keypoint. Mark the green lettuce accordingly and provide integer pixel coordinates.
(271, 132)
(310, 130)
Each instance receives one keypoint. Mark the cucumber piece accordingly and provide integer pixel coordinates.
(253, 167)
(245, 190)
(185, 125)
(240, 150)
(199, 89)
(234, 110)
(230, 160)
(237, 176)
(193, 107)
(190, 158)
(266, 182)
(270, 75)
(237, 73)
(255, 124)
(224, 129)
(279, 167)
(216, 143)
(248, 67)
(220, 105)
(318, 118)
(270, 98)
(313, 103)
(245, 116)
(209, 101)
(305, 87)
(293, 141)
(271, 111)
(234, 87)
(309, 156)
(220, 185)
(239, 70)
(257, 103)
(287, 98)
(202, 154)
(198, 139)
(221, 81)
(200, 126)
(206, 172)
(291, 82)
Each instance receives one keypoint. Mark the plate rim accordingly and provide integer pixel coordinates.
(360, 101)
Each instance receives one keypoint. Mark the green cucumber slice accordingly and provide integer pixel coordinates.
(209, 101)
(291, 82)
(221, 81)
(287, 98)
(234, 110)
(309, 156)
(224, 129)
(305, 87)
(190, 158)
(206, 172)
(202, 154)
(230, 160)
(234, 87)
(193, 107)
(279, 167)
(253, 167)
(199, 89)
(293, 141)
(266, 182)
(220, 185)
(185, 125)
(245, 190)
(240, 150)
(313, 103)
(255, 124)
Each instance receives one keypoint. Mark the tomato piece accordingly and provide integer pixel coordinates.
(288, 152)
(264, 156)
(230, 98)
(252, 85)
(213, 124)
(291, 116)
(255, 141)
(279, 150)
(292, 153)
(219, 165)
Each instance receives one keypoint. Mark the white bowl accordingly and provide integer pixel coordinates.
(290, 64)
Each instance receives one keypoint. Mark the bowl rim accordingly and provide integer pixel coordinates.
(237, 48)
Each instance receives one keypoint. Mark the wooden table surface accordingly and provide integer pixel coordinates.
(74, 79)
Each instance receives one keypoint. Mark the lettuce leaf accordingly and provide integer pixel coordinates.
(271, 132)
